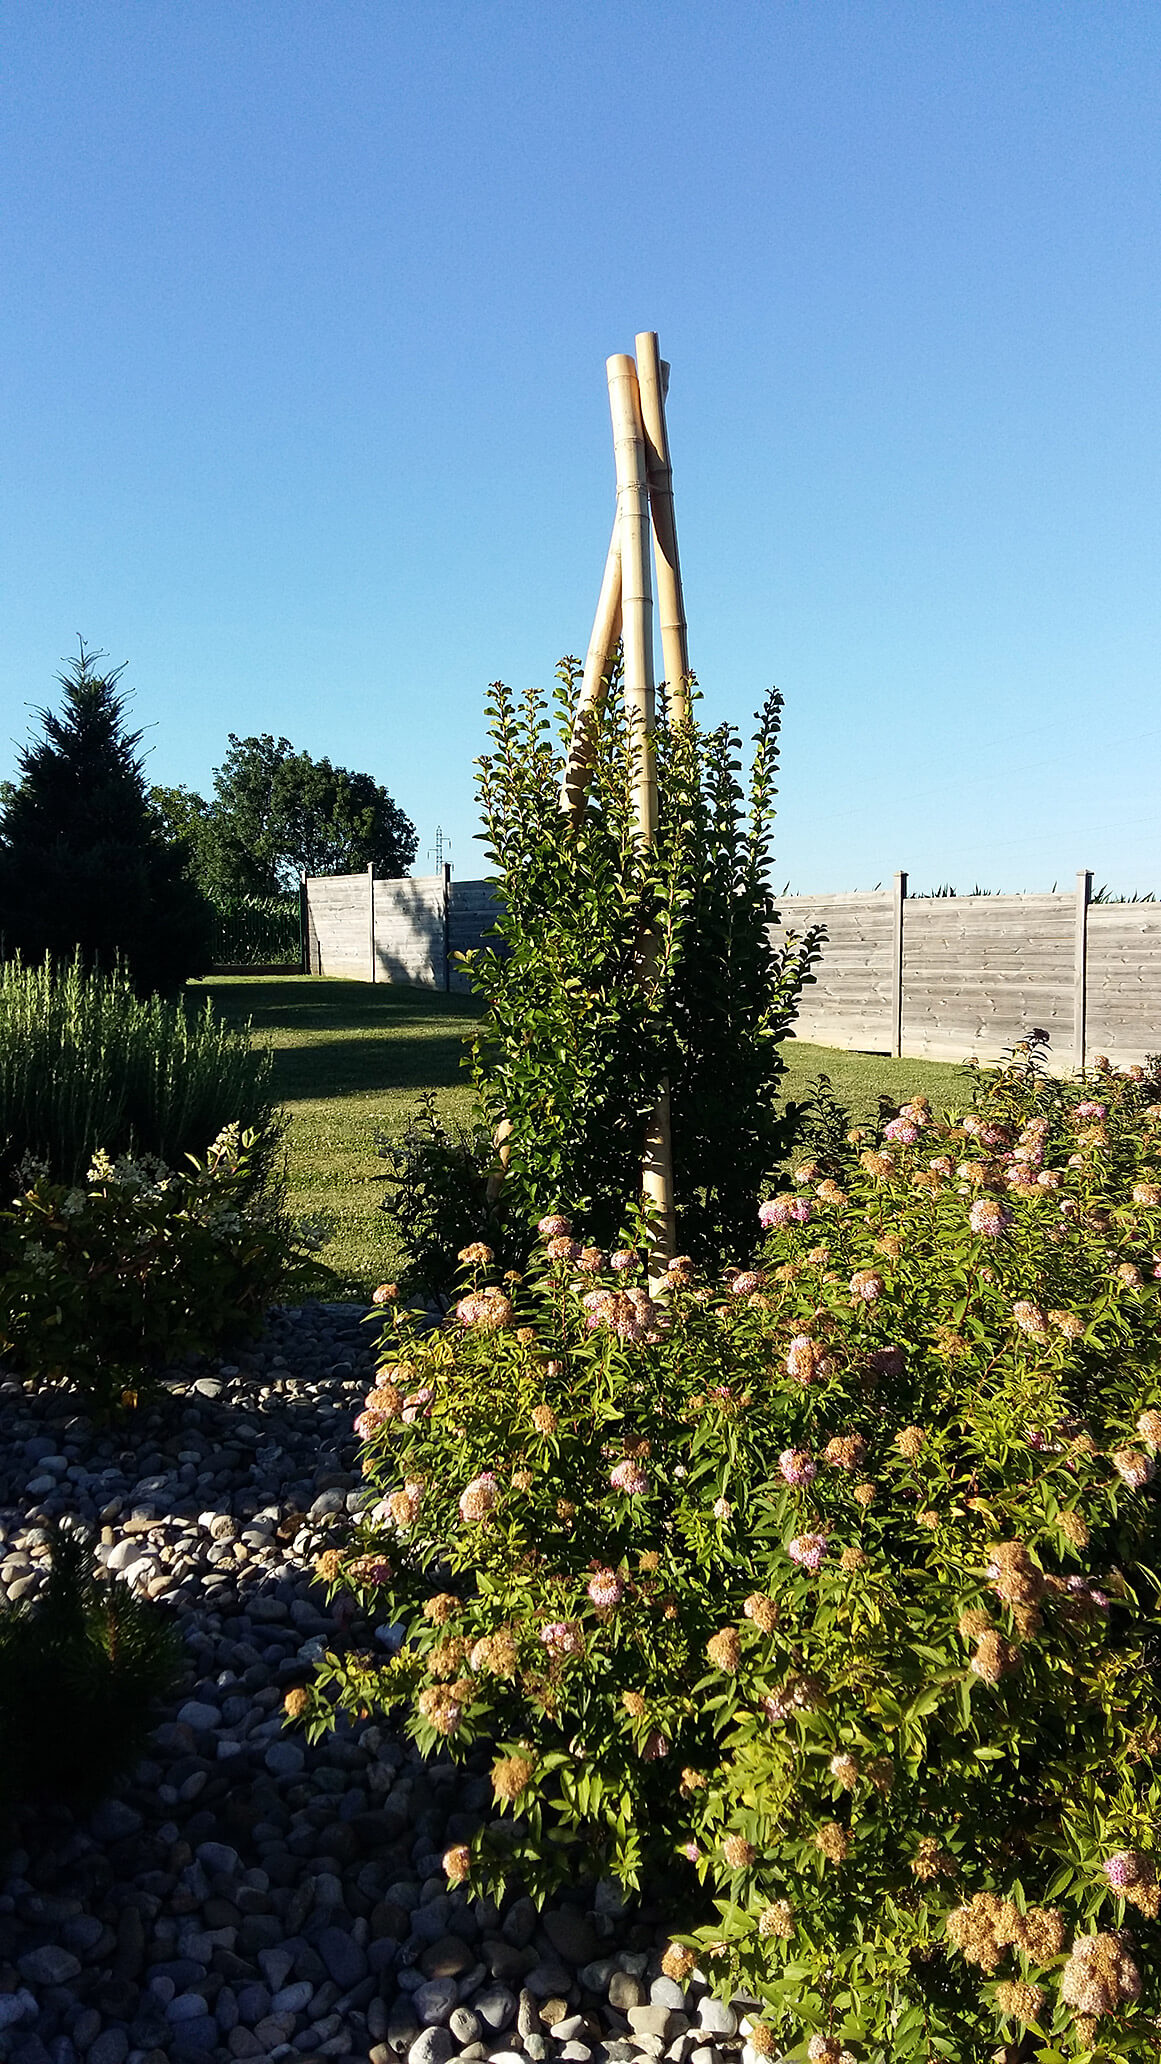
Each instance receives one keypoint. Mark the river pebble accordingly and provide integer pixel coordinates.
(245, 1895)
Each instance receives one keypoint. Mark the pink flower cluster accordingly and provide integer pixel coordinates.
(630, 1314)
(798, 1466)
(783, 1211)
(629, 1477)
(807, 1549)
(553, 1227)
(746, 1282)
(989, 1218)
(563, 1637)
(606, 1589)
(805, 1359)
(902, 1131)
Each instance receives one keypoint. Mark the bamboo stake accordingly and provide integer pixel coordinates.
(606, 631)
(637, 645)
(636, 584)
(653, 375)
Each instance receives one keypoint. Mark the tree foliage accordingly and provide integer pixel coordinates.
(84, 867)
(277, 813)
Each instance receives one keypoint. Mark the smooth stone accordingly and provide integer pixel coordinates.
(666, 1992)
(433, 2046)
(572, 1935)
(496, 2005)
(292, 1999)
(434, 2000)
(465, 2026)
(625, 1991)
(346, 1962)
(50, 1965)
(202, 1718)
(446, 1958)
(659, 2021)
(218, 1856)
(716, 2017)
(284, 1759)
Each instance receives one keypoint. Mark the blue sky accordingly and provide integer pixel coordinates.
(302, 401)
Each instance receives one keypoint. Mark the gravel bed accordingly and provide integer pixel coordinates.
(245, 1895)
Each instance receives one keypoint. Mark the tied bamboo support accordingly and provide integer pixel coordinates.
(594, 682)
(635, 529)
(653, 379)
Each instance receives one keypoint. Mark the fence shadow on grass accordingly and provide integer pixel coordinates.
(337, 1067)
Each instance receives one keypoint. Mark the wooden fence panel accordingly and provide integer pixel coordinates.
(850, 1003)
(979, 972)
(1124, 981)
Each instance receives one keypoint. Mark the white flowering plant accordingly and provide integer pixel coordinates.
(102, 1280)
(820, 1598)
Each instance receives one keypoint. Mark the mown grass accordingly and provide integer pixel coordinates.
(351, 1059)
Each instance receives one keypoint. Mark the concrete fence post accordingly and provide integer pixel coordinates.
(447, 924)
(371, 917)
(1080, 968)
(898, 899)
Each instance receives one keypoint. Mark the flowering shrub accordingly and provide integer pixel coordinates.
(823, 1597)
(103, 1280)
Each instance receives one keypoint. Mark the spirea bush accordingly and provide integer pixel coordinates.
(822, 1598)
(103, 1280)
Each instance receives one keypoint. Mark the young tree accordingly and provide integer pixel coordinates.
(572, 1054)
(84, 866)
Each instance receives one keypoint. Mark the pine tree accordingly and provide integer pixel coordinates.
(84, 868)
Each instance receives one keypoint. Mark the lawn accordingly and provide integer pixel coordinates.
(352, 1058)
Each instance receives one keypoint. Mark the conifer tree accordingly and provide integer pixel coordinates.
(84, 868)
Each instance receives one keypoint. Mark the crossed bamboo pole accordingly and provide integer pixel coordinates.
(645, 515)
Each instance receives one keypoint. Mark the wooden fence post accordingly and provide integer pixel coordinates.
(371, 916)
(1080, 967)
(898, 898)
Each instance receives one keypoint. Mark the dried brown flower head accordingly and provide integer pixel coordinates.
(724, 1649)
(511, 1775)
(440, 1608)
(833, 1840)
(678, 1962)
(457, 1863)
(634, 1704)
(762, 1611)
(296, 1702)
(910, 1441)
(931, 1860)
(544, 1419)
(777, 1920)
(994, 1658)
(1018, 2001)
(1074, 1528)
(738, 1853)
(329, 1565)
